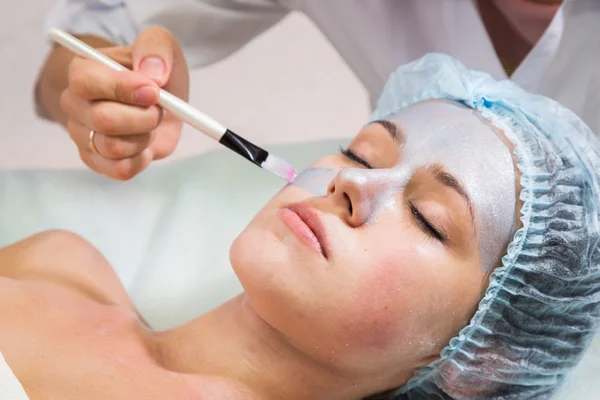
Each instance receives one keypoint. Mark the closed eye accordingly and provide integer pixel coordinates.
(425, 225)
(353, 157)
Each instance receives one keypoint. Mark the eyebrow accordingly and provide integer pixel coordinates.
(392, 129)
(448, 180)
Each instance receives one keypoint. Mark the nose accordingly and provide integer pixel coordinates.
(354, 192)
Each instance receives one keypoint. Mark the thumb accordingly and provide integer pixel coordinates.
(153, 54)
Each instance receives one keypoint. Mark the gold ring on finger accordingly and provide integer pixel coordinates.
(91, 143)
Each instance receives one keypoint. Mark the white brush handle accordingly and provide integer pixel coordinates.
(173, 104)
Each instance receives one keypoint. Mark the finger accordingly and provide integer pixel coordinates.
(122, 147)
(168, 134)
(120, 54)
(154, 52)
(79, 134)
(110, 147)
(117, 169)
(90, 80)
(116, 119)
(73, 106)
(111, 118)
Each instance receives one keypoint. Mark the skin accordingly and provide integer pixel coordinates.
(515, 26)
(385, 300)
(529, 18)
(121, 106)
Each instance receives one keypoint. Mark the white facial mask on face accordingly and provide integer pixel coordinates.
(455, 136)
(315, 180)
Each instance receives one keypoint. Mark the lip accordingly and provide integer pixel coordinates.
(305, 222)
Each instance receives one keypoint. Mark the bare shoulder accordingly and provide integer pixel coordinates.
(67, 259)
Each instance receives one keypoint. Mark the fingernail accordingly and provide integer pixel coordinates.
(153, 68)
(145, 96)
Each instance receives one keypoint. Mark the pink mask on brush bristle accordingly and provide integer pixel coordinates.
(279, 167)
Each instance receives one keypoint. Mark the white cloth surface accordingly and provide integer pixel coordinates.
(10, 387)
(372, 37)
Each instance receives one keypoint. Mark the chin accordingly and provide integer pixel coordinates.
(257, 255)
(266, 268)
(254, 261)
(240, 254)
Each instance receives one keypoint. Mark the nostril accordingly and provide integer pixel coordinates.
(347, 198)
(331, 188)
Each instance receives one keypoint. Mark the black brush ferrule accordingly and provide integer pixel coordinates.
(243, 147)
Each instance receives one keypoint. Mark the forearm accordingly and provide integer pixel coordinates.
(53, 78)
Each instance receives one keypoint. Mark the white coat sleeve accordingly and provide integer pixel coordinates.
(108, 19)
(208, 30)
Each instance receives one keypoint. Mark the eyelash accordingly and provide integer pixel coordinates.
(426, 226)
(353, 157)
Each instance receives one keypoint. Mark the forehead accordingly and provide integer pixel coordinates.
(452, 134)
(442, 122)
(471, 149)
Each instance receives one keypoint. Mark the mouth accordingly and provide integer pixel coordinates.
(305, 222)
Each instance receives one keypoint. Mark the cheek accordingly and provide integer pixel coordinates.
(406, 299)
(259, 249)
(384, 304)
(291, 193)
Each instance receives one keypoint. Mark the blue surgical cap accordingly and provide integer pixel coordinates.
(542, 305)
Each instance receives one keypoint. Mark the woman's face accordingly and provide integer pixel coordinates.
(384, 269)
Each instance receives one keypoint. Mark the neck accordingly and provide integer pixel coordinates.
(234, 343)
(529, 18)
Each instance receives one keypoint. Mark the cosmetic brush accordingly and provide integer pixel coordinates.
(188, 114)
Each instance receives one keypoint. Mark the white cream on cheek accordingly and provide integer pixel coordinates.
(315, 180)
(455, 136)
